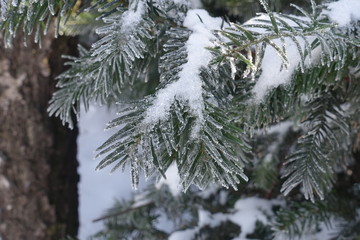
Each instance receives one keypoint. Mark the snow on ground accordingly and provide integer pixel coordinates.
(97, 189)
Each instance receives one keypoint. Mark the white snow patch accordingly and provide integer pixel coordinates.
(129, 20)
(210, 190)
(188, 88)
(223, 197)
(205, 218)
(280, 128)
(133, 16)
(212, 220)
(274, 72)
(343, 12)
(251, 209)
(163, 223)
(172, 180)
(196, 4)
(182, 235)
(257, 20)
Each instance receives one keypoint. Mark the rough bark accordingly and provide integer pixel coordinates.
(38, 178)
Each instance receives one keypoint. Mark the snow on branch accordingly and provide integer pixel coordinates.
(185, 123)
(276, 46)
(274, 70)
(188, 88)
(132, 17)
(343, 12)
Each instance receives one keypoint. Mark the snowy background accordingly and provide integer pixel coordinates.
(97, 189)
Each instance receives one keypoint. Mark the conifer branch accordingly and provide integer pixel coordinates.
(30, 16)
(310, 165)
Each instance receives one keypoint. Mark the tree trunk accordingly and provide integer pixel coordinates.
(38, 177)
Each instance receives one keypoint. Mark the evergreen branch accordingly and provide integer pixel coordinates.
(210, 157)
(300, 218)
(138, 223)
(219, 154)
(278, 105)
(310, 165)
(296, 221)
(266, 175)
(205, 145)
(33, 15)
(121, 57)
(81, 24)
(272, 30)
(123, 146)
(348, 230)
(286, 101)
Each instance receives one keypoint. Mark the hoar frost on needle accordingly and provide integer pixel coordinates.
(188, 88)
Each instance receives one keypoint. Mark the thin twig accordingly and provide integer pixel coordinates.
(121, 212)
